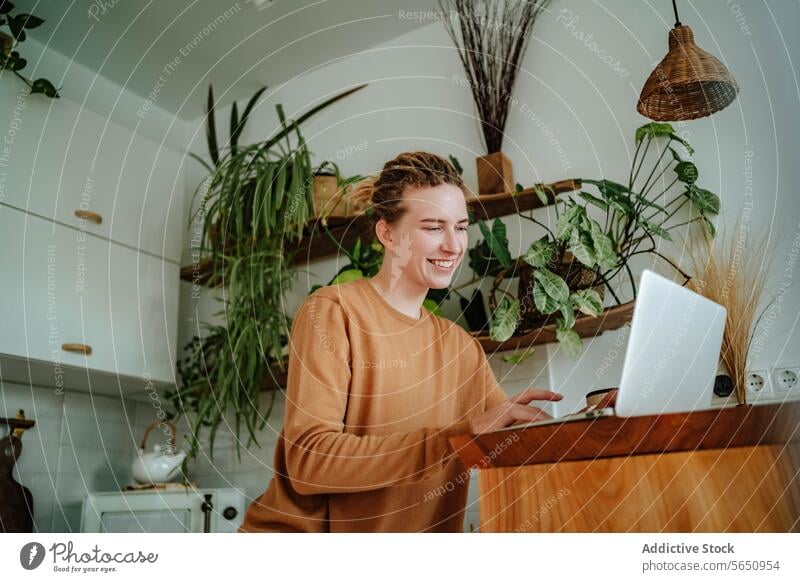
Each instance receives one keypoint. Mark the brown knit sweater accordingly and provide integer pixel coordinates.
(372, 397)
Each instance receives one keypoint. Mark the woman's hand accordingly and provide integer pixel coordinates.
(514, 411)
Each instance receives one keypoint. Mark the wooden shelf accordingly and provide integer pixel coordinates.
(508, 203)
(347, 229)
(586, 326)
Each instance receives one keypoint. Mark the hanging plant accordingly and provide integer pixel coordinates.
(256, 203)
(10, 60)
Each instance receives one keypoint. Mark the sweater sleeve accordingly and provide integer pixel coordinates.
(493, 393)
(320, 456)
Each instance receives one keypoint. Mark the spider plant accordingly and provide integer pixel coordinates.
(257, 201)
(236, 127)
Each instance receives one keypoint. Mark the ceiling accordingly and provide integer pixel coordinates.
(177, 48)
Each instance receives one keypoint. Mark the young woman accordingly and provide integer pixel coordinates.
(377, 384)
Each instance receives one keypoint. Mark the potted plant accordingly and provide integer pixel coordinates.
(257, 199)
(330, 192)
(491, 38)
(567, 271)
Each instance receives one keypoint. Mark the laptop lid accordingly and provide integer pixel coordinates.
(673, 350)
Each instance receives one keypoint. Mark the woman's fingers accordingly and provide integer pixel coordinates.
(533, 394)
(524, 413)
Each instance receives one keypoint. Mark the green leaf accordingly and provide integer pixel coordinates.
(603, 247)
(248, 108)
(710, 228)
(683, 142)
(234, 126)
(482, 262)
(540, 194)
(211, 128)
(588, 301)
(580, 244)
(504, 320)
(654, 129)
(552, 284)
(540, 252)
(652, 228)
(518, 188)
(46, 87)
(593, 200)
(266, 145)
(432, 306)
(687, 172)
(497, 240)
(518, 357)
(650, 204)
(616, 195)
(567, 221)
(14, 62)
(543, 302)
(570, 341)
(206, 165)
(705, 201)
(29, 20)
(567, 314)
(456, 164)
(5, 7)
(16, 25)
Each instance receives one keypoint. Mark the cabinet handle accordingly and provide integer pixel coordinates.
(77, 348)
(89, 215)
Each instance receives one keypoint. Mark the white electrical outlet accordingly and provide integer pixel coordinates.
(785, 379)
(756, 382)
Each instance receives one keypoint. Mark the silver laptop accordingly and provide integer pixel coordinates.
(672, 355)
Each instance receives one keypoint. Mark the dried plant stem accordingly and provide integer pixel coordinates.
(732, 272)
(491, 37)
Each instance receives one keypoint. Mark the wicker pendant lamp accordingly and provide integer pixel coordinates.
(688, 83)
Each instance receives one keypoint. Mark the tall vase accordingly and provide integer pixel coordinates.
(495, 174)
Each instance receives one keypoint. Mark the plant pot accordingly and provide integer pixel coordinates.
(331, 200)
(475, 312)
(495, 174)
(577, 277)
(325, 195)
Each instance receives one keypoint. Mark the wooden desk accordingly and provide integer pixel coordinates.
(727, 470)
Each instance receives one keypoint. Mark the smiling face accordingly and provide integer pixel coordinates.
(427, 243)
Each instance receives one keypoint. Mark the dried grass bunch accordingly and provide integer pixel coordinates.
(731, 270)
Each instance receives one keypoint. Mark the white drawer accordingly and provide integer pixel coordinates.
(62, 286)
(64, 158)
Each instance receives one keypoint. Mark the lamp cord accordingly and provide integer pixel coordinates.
(675, 9)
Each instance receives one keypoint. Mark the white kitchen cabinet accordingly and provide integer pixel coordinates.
(61, 286)
(62, 157)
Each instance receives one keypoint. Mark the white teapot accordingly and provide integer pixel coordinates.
(162, 464)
